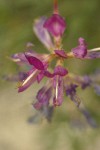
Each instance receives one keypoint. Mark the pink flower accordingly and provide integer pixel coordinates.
(59, 79)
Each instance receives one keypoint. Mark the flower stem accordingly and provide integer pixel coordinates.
(55, 6)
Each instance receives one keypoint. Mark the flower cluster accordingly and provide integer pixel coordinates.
(59, 80)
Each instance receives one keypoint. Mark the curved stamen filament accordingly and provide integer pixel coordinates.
(57, 90)
(95, 49)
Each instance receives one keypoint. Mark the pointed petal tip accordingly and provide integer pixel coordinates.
(21, 89)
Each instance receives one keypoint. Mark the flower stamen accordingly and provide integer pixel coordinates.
(95, 49)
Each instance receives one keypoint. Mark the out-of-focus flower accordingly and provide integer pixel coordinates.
(59, 80)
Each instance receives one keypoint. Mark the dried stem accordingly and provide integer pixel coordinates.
(55, 6)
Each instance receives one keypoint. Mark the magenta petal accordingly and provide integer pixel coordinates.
(59, 70)
(55, 25)
(42, 33)
(82, 42)
(81, 50)
(61, 53)
(40, 76)
(35, 62)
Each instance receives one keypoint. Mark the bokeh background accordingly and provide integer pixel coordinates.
(68, 129)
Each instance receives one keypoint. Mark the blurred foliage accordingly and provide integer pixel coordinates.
(83, 20)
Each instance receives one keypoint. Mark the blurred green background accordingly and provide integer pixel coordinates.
(68, 129)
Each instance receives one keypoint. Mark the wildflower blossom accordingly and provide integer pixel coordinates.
(59, 80)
